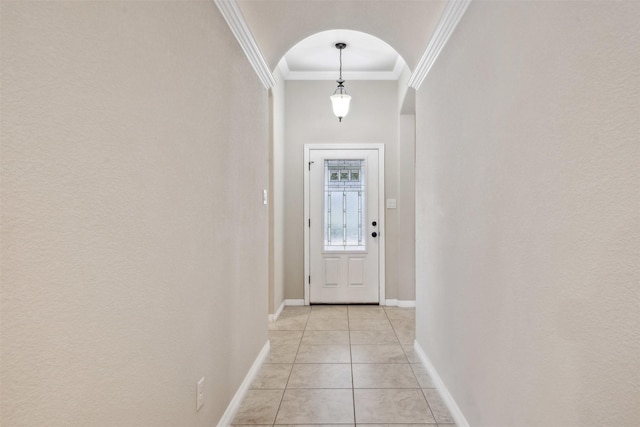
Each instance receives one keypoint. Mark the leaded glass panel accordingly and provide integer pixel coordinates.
(344, 216)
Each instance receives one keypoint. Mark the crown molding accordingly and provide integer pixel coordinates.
(231, 12)
(453, 12)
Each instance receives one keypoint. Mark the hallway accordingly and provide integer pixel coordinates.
(153, 215)
(323, 358)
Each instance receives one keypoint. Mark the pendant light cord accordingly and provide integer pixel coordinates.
(340, 64)
(340, 89)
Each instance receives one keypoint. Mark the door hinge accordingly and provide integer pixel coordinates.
(309, 279)
(310, 165)
(309, 222)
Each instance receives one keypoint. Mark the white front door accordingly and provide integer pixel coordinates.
(344, 226)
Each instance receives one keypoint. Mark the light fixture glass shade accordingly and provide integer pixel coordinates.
(340, 104)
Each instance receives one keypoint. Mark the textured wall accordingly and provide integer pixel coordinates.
(373, 119)
(406, 208)
(277, 191)
(134, 239)
(528, 164)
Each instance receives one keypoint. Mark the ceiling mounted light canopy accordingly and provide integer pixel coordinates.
(340, 100)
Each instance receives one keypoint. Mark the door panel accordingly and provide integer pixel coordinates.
(356, 271)
(332, 271)
(343, 206)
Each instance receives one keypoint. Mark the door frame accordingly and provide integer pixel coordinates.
(381, 212)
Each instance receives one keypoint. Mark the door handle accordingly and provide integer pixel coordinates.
(374, 234)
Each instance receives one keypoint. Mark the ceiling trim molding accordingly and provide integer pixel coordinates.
(397, 69)
(346, 75)
(453, 12)
(283, 66)
(231, 12)
(394, 74)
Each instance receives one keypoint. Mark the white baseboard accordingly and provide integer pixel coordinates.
(400, 303)
(235, 403)
(406, 304)
(273, 317)
(456, 413)
(292, 302)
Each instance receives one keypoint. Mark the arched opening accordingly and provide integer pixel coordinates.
(375, 75)
(366, 58)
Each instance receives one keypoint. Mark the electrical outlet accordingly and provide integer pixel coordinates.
(200, 394)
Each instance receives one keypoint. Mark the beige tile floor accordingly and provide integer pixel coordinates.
(343, 366)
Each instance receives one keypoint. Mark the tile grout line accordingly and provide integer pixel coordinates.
(429, 406)
(414, 373)
(353, 387)
(291, 372)
(351, 363)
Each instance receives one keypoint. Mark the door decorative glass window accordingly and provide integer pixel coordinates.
(344, 209)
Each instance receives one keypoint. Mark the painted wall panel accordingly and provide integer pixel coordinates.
(134, 239)
(276, 185)
(527, 177)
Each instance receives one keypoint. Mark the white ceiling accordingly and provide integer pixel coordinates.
(404, 26)
(365, 58)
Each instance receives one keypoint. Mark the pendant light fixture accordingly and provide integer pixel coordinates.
(340, 100)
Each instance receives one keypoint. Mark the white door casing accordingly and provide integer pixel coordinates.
(344, 265)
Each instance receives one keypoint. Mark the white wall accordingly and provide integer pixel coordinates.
(277, 192)
(406, 208)
(406, 190)
(373, 118)
(134, 239)
(527, 170)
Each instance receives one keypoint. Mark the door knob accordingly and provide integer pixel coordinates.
(374, 223)
(374, 234)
